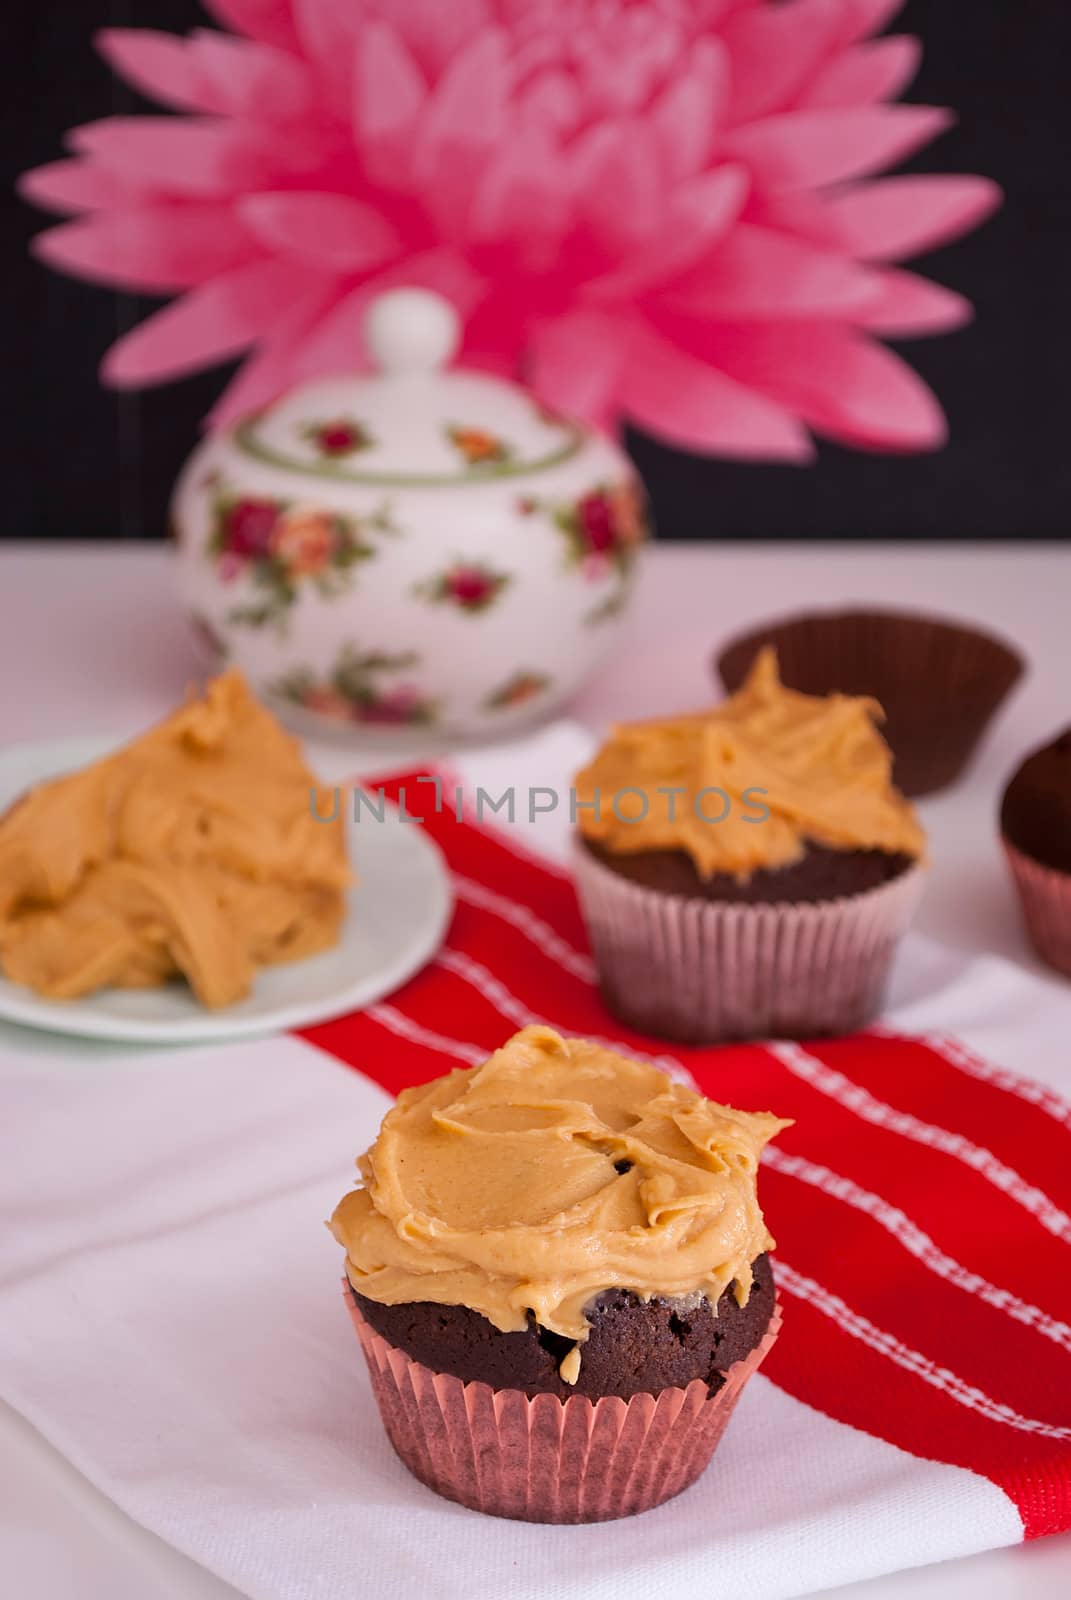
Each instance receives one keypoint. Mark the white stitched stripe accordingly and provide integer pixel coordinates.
(917, 1242)
(853, 1097)
(525, 921)
(481, 979)
(390, 1017)
(1036, 1094)
(902, 1355)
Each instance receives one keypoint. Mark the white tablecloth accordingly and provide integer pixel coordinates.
(109, 610)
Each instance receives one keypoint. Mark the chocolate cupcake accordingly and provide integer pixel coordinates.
(748, 871)
(939, 681)
(557, 1269)
(1035, 825)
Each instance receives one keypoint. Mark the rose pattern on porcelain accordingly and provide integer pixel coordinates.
(420, 546)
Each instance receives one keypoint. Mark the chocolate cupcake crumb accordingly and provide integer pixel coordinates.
(634, 1347)
(821, 874)
(1035, 815)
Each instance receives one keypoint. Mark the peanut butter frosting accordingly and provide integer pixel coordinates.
(748, 784)
(193, 850)
(555, 1170)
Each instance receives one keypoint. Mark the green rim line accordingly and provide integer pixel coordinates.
(247, 441)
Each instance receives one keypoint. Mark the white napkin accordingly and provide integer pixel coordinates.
(171, 1319)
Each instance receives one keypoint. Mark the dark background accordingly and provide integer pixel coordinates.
(81, 462)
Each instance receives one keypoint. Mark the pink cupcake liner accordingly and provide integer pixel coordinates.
(1045, 896)
(544, 1459)
(702, 971)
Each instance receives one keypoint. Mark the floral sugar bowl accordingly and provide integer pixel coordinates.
(418, 547)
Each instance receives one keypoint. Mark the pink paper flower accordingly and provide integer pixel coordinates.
(663, 209)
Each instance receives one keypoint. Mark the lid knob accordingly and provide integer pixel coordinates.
(411, 330)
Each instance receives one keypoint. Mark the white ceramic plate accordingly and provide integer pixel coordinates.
(395, 921)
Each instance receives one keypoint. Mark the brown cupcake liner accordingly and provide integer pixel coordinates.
(1045, 896)
(703, 971)
(939, 681)
(542, 1459)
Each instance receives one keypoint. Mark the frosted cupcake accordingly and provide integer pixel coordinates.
(557, 1269)
(747, 871)
(1035, 826)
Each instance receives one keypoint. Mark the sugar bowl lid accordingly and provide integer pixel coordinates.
(413, 423)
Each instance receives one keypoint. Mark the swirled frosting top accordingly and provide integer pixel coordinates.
(748, 784)
(555, 1170)
(192, 850)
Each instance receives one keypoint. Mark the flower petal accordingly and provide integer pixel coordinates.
(615, 179)
(549, 102)
(261, 378)
(700, 408)
(799, 212)
(211, 323)
(775, 49)
(388, 93)
(271, 371)
(193, 155)
(467, 112)
(253, 80)
(698, 214)
(330, 231)
(898, 217)
(712, 201)
(685, 115)
(461, 123)
(328, 32)
(758, 273)
(435, 32)
(493, 340)
(909, 307)
(333, 344)
(641, 50)
(210, 72)
(267, 20)
(864, 73)
(149, 249)
(158, 65)
(864, 17)
(79, 186)
(802, 149)
(523, 193)
(575, 364)
(709, 12)
(840, 381)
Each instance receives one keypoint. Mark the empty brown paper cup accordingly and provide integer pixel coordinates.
(542, 1459)
(940, 682)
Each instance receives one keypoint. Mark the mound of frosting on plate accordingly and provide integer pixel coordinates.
(555, 1170)
(749, 783)
(193, 850)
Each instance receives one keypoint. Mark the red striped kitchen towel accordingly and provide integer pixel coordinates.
(920, 1202)
(170, 1317)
